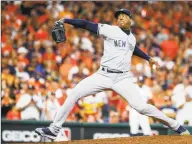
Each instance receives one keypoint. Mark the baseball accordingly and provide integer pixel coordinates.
(154, 67)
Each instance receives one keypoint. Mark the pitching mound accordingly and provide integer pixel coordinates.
(174, 139)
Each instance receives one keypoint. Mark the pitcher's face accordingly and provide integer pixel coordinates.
(124, 21)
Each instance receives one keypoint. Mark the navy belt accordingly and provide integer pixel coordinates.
(112, 70)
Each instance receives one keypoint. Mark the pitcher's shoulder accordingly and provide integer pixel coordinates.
(132, 35)
(107, 26)
(132, 39)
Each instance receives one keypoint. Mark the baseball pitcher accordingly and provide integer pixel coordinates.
(114, 72)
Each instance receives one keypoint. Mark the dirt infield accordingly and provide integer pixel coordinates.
(174, 139)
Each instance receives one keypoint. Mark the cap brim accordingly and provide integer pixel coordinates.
(119, 12)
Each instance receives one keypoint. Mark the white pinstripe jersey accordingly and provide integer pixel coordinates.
(118, 47)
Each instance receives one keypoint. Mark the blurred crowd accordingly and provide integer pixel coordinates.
(37, 74)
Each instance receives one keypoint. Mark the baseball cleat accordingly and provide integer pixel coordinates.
(182, 131)
(46, 132)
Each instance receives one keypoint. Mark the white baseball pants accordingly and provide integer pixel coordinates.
(122, 84)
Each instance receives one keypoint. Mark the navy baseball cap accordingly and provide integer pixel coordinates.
(124, 11)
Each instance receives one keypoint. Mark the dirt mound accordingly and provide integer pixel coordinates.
(174, 139)
(138, 140)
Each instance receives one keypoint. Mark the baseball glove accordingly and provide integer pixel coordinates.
(58, 32)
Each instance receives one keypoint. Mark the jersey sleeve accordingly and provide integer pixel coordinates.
(105, 30)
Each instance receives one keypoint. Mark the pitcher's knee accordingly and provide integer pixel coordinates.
(142, 108)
